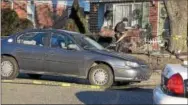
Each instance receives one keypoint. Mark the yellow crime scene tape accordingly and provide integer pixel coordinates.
(177, 37)
(65, 84)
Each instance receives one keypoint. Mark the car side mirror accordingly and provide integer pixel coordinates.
(72, 47)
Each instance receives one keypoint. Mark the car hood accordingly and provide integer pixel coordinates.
(119, 56)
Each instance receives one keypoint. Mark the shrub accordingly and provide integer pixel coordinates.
(10, 22)
(70, 25)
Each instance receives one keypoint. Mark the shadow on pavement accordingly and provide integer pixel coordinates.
(128, 96)
(57, 79)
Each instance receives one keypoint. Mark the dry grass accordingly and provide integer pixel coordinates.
(157, 62)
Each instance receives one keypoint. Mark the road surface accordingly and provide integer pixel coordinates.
(16, 93)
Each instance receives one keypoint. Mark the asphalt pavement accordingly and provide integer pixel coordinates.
(38, 94)
(22, 93)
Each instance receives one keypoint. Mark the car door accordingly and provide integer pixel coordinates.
(60, 59)
(31, 50)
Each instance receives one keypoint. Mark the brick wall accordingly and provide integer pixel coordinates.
(44, 11)
(48, 14)
(21, 8)
(153, 17)
(44, 15)
(5, 5)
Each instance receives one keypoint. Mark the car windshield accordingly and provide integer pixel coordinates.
(88, 43)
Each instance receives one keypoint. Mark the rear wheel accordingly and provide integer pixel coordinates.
(9, 68)
(35, 76)
(101, 75)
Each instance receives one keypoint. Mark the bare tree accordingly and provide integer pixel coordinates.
(177, 12)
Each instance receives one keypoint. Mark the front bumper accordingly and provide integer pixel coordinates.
(159, 97)
(133, 74)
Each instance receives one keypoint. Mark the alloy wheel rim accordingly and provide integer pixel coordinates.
(6, 68)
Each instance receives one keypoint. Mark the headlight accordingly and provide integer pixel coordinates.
(131, 64)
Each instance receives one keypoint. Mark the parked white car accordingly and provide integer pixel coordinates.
(174, 85)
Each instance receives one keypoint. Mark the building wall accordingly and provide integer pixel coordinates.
(93, 18)
(153, 17)
(5, 5)
(47, 13)
(21, 8)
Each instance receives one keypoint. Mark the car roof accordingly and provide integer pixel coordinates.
(53, 30)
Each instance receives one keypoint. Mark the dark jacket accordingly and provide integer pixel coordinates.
(120, 27)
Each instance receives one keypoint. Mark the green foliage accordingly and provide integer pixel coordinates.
(10, 22)
(71, 26)
(137, 14)
(77, 21)
(148, 32)
(108, 15)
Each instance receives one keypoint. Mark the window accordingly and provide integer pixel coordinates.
(87, 43)
(34, 38)
(62, 41)
(108, 16)
(58, 41)
(133, 11)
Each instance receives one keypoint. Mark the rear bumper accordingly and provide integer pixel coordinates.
(159, 97)
(136, 74)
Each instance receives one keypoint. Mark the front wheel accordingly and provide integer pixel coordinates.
(101, 75)
(9, 68)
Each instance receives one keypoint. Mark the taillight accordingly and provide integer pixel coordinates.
(175, 84)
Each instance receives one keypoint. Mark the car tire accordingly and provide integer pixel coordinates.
(34, 76)
(103, 70)
(9, 68)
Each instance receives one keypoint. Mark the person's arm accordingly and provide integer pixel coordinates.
(124, 35)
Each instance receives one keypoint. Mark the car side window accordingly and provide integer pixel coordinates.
(62, 41)
(58, 41)
(33, 38)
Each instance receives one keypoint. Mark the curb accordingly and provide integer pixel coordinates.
(65, 84)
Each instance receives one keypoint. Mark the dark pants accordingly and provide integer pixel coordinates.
(118, 35)
(123, 46)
